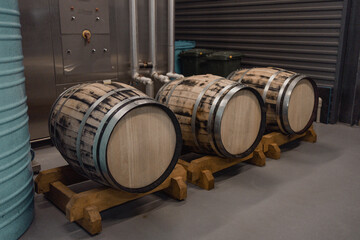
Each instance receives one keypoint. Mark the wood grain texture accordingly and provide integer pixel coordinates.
(141, 147)
(272, 141)
(200, 170)
(84, 208)
(185, 92)
(182, 103)
(258, 79)
(64, 174)
(301, 105)
(240, 124)
(66, 118)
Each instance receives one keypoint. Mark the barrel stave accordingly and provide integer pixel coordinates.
(71, 115)
(87, 140)
(258, 78)
(181, 97)
(182, 103)
(78, 117)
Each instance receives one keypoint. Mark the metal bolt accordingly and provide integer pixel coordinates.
(73, 18)
(68, 51)
(97, 18)
(105, 50)
(93, 50)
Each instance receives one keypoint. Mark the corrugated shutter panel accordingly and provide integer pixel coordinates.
(302, 36)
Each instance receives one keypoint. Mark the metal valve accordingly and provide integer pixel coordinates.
(86, 35)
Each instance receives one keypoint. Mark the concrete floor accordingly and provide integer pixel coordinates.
(312, 192)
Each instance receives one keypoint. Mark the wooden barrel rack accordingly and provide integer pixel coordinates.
(200, 171)
(84, 208)
(272, 141)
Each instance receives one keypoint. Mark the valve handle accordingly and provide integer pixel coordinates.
(86, 35)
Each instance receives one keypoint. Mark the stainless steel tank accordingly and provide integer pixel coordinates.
(58, 57)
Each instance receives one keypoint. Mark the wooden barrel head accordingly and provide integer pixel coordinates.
(301, 105)
(141, 147)
(241, 122)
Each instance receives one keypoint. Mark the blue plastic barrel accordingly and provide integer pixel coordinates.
(16, 182)
(179, 47)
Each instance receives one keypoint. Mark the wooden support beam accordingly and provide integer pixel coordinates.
(85, 207)
(310, 136)
(259, 158)
(91, 221)
(273, 141)
(200, 171)
(177, 188)
(64, 174)
(105, 197)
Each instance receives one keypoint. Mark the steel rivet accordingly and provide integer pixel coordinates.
(68, 51)
(93, 50)
(97, 18)
(105, 49)
(73, 18)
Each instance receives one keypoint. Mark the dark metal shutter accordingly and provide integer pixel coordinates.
(299, 35)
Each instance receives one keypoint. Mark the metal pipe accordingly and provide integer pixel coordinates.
(161, 78)
(150, 88)
(133, 38)
(171, 41)
(152, 43)
(174, 75)
(147, 82)
(134, 51)
(171, 37)
(152, 31)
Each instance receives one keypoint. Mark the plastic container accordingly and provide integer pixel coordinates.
(179, 47)
(222, 63)
(193, 61)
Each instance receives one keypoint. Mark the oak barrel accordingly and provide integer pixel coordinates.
(116, 135)
(291, 98)
(217, 116)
